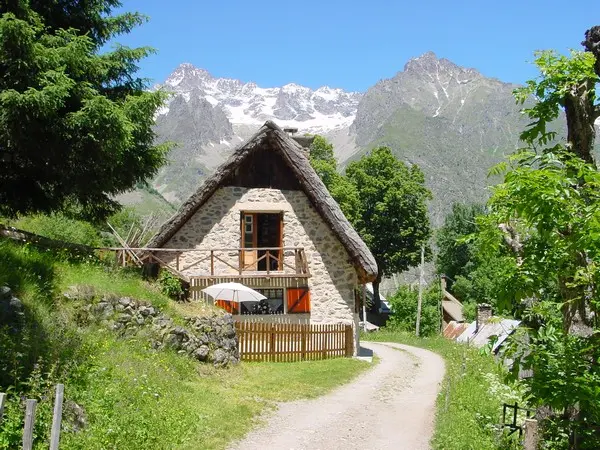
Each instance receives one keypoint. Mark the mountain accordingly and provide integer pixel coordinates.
(452, 121)
(207, 117)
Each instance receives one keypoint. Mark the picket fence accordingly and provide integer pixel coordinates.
(283, 342)
(30, 407)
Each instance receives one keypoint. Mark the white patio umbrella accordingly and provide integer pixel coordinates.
(234, 292)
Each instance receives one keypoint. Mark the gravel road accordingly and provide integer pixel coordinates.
(392, 406)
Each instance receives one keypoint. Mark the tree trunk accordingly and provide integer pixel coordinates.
(580, 112)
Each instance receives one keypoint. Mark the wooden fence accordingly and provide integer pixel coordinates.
(293, 342)
(30, 407)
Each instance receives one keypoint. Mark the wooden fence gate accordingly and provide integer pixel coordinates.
(293, 342)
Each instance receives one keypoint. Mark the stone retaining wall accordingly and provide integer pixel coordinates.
(210, 339)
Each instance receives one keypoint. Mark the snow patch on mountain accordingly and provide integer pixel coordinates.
(315, 111)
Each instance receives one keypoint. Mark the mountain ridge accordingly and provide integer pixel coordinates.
(452, 121)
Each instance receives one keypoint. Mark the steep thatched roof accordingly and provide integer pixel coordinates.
(295, 157)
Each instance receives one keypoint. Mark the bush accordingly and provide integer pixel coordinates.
(404, 310)
(170, 285)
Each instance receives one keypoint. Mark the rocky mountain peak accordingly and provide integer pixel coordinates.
(247, 104)
(428, 65)
(187, 75)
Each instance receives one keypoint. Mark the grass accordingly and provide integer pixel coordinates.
(140, 398)
(132, 395)
(469, 405)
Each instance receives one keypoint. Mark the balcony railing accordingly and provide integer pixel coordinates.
(228, 262)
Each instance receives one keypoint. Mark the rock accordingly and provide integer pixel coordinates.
(5, 292)
(201, 353)
(172, 340)
(220, 357)
(102, 309)
(80, 292)
(124, 317)
(206, 339)
(75, 416)
(125, 301)
(11, 310)
(179, 330)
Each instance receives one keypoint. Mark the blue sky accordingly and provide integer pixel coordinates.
(352, 44)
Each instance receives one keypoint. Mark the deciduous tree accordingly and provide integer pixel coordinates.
(393, 219)
(341, 189)
(547, 211)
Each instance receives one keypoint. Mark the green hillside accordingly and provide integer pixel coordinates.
(119, 391)
(146, 201)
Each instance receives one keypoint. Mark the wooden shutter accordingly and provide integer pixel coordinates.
(298, 300)
(230, 307)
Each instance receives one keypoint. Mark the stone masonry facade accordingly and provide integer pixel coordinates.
(216, 225)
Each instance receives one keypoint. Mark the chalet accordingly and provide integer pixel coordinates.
(266, 220)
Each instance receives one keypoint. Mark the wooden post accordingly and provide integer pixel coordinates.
(177, 261)
(303, 341)
(29, 423)
(212, 262)
(531, 435)
(272, 342)
(324, 329)
(420, 290)
(240, 260)
(2, 400)
(442, 296)
(348, 341)
(268, 258)
(57, 417)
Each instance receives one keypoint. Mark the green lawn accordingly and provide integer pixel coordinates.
(470, 402)
(139, 398)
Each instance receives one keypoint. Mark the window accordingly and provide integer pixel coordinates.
(261, 230)
(272, 305)
(248, 241)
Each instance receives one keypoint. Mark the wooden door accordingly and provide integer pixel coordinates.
(249, 257)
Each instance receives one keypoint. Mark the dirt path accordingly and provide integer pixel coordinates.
(391, 406)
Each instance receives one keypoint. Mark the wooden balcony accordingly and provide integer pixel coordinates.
(262, 262)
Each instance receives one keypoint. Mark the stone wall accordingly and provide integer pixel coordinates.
(216, 225)
(209, 339)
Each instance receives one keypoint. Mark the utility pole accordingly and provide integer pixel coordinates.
(420, 289)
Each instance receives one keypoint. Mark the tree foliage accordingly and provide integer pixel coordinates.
(384, 199)
(393, 219)
(547, 213)
(75, 122)
(404, 310)
(454, 251)
(475, 273)
(341, 189)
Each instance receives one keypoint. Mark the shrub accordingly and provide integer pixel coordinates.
(170, 285)
(404, 310)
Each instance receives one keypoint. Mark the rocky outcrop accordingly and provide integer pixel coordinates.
(210, 339)
(11, 310)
